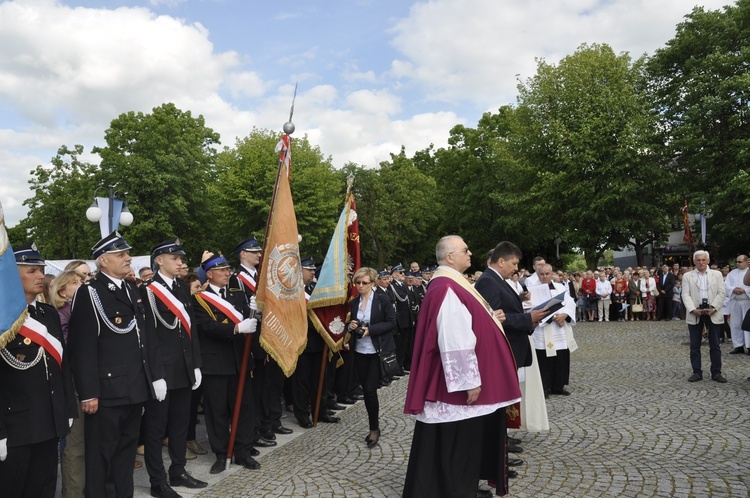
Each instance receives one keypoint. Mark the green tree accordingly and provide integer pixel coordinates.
(56, 219)
(592, 170)
(165, 163)
(395, 210)
(702, 87)
(247, 175)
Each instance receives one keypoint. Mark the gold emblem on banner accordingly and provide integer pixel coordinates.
(27, 341)
(118, 320)
(513, 412)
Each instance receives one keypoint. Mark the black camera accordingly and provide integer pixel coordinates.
(704, 306)
(360, 330)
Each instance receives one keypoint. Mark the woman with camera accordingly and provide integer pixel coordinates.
(373, 321)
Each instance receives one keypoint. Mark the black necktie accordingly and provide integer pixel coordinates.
(174, 286)
(552, 286)
(32, 311)
(223, 293)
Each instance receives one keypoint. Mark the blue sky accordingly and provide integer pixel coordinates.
(373, 75)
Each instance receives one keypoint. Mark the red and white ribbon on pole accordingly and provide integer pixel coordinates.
(174, 305)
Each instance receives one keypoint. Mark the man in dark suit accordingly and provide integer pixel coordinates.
(493, 287)
(37, 403)
(518, 325)
(221, 317)
(116, 368)
(665, 287)
(169, 318)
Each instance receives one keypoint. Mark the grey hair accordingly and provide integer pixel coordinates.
(701, 253)
(443, 247)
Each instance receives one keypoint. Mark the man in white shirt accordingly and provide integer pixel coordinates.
(738, 302)
(604, 291)
(534, 278)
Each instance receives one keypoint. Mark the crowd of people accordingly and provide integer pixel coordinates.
(121, 363)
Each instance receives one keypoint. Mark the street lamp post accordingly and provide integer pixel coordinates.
(94, 212)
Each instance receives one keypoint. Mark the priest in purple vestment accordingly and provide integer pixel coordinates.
(463, 376)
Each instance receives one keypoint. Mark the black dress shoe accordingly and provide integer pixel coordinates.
(561, 392)
(358, 397)
(164, 491)
(695, 377)
(188, 481)
(514, 441)
(719, 378)
(514, 462)
(264, 443)
(328, 419)
(305, 423)
(248, 462)
(336, 406)
(268, 436)
(253, 452)
(282, 430)
(371, 443)
(348, 400)
(737, 351)
(514, 448)
(218, 466)
(512, 474)
(484, 493)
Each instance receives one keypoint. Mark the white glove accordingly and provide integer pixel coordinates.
(247, 326)
(70, 423)
(198, 378)
(160, 388)
(253, 304)
(3, 449)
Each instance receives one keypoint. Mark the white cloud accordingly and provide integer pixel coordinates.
(374, 102)
(472, 50)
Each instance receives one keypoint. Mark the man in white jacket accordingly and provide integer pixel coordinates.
(703, 294)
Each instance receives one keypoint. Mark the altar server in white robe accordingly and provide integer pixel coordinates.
(553, 337)
(737, 304)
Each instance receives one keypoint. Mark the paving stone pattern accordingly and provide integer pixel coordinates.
(633, 427)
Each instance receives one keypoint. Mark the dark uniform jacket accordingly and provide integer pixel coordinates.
(36, 403)
(113, 355)
(315, 341)
(517, 324)
(180, 353)
(400, 297)
(221, 348)
(236, 284)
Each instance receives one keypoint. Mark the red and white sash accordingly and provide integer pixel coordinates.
(247, 279)
(37, 333)
(174, 305)
(223, 305)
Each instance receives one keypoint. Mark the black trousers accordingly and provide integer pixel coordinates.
(195, 399)
(368, 371)
(167, 418)
(269, 379)
(111, 440)
(218, 405)
(404, 345)
(305, 384)
(345, 380)
(664, 307)
(555, 370)
(30, 471)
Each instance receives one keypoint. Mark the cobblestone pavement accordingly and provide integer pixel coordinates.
(633, 426)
